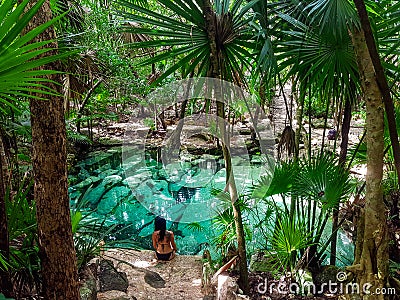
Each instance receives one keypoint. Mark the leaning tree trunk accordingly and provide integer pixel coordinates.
(382, 83)
(371, 262)
(56, 246)
(216, 72)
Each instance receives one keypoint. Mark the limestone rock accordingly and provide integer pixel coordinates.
(110, 279)
(227, 287)
(182, 275)
(88, 181)
(326, 275)
(115, 295)
(108, 172)
(154, 279)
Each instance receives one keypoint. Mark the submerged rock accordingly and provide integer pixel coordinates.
(88, 181)
(108, 172)
(95, 194)
(112, 198)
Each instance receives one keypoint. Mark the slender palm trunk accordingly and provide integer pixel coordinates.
(299, 120)
(56, 246)
(216, 72)
(371, 264)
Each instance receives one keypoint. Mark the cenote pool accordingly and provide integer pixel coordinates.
(128, 189)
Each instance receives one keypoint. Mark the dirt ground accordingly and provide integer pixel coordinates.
(150, 280)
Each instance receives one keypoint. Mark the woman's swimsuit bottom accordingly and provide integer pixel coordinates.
(163, 256)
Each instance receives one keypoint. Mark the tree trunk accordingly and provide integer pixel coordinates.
(382, 82)
(174, 143)
(56, 246)
(83, 105)
(371, 264)
(299, 119)
(216, 72)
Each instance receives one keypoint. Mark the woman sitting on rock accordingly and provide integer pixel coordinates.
(163, 240)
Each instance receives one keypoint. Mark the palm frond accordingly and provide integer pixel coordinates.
(183, 37)
(322, 179)
(19, 57)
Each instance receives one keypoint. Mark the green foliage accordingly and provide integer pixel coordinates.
(314, 186)
(184, 37)
(318, 107)
(195, 227)
(224, 223)
(289, 239)
(3, 262)
(24, 261)
(323, 180)
(390, 182)
(2, 297)
(149, 122)
(280, 183)
(78, 138)
(91, 233)
(19, 56)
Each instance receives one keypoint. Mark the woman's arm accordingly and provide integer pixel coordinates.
(154, 239)
(173, 242)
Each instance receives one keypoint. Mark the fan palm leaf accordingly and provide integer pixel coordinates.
(19, 57)
(184, 36)
(322, 179)
(281, 182)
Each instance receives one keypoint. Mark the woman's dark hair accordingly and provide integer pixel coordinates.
(160, 224)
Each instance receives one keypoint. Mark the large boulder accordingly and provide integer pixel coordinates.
(95, 194)
(329, 274)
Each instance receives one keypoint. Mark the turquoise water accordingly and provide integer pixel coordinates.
(129, 190)
(132, 191)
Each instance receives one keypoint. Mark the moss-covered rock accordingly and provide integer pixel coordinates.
(260, 262)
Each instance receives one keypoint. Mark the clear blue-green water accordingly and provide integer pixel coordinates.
(129, 189)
